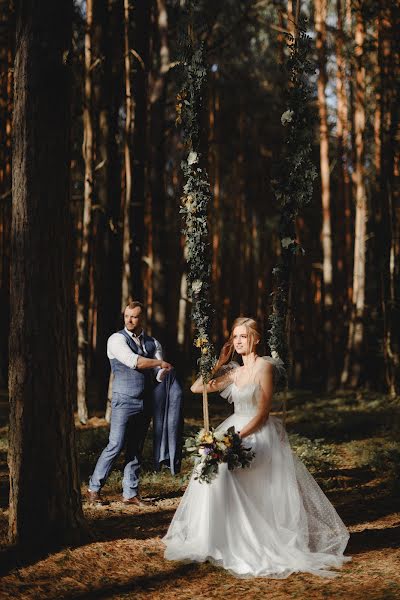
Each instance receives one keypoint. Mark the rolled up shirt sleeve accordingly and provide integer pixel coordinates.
(159, 356)
(119, 349)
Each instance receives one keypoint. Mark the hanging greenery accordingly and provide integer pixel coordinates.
(196, 191)
(293, 186)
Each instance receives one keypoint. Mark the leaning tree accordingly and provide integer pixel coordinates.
(45, 503)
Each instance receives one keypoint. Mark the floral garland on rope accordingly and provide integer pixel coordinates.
(196, 196)
(293, 187)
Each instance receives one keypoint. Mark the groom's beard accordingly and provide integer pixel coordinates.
(135, 330)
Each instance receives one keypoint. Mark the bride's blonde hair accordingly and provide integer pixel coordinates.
(253, 334)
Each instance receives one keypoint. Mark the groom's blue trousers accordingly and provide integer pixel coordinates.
(129, 424)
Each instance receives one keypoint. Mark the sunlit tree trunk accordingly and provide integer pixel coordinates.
(344, 193)
(82, 311)
(45, 506)
(353, 360)
(160, 225)
(182, 313)
(126, 292)
(326, 235)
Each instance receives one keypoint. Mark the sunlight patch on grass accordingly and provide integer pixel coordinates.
(315, 454)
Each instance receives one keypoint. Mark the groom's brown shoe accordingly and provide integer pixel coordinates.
(95, 498)
(136, 501)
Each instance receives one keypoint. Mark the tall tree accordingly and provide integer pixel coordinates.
(45, 505)
(388, 159)
(157, 104)
(82, 312)
(7, 34)
(355, 344)
(326, 235)
(139, 50)
(344, 188)
(107, 50)
(126, 291)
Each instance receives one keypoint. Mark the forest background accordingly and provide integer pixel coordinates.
(92, 147)
(126, 183)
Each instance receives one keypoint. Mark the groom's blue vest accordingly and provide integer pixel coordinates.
(132, 382)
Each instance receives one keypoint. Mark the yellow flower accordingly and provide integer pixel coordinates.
(201, 341)
(208, 438)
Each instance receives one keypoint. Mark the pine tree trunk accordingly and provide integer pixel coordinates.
(84, 287)
(115, 91)
(45, 504)
(140, 64)
(353, 360)
(344, 192)
(6, 105)
(126, 291)
(107, 35)
(389, 159)
(157, 100)
(215, 172)
(326, 236)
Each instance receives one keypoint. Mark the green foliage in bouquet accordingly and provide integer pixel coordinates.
(293, 186)
(209, 449)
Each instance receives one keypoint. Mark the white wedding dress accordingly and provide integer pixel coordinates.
(268, 520)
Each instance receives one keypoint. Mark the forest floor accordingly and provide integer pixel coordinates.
(348, 442)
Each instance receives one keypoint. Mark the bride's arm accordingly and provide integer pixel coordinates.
(266, 381)
(214, 385)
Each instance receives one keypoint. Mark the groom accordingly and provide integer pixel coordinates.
(135, 358)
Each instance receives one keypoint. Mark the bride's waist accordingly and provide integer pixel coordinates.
(243, 412)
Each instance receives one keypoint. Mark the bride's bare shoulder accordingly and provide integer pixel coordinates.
(264, 367)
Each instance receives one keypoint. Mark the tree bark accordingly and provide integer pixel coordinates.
(344, 191)
(107, 46)
(388, 160)
(45, 503)
(355, 345)
(126, 291)
(82, 312)
(326, 235)
(139, 51)
(215, 174)
(6, 106)
(158, 268)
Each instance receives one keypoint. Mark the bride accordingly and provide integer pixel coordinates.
(271, 519)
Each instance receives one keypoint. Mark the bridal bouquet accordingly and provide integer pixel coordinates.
(209, 449)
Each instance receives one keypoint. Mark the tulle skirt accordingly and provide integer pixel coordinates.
(269, 520)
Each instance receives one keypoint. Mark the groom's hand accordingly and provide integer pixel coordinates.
(166, 365)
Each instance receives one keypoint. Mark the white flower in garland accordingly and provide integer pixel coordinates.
(286, 242)
(287, 117)
(196, 286)
(275, 355)
(192, 158)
